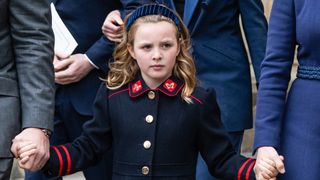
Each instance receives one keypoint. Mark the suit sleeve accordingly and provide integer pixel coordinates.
(216, 149)
(275, 74)
(88, 148)
(100, 53)
(33, 49)
(255, 28)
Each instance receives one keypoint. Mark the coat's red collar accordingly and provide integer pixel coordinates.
(170, 87)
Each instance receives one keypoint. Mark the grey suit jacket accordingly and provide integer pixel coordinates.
(26, 70)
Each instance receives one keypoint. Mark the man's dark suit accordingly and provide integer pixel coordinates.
(220, 55)
(84, 19)
(26, 72)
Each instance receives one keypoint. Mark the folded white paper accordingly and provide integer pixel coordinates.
(64, 41)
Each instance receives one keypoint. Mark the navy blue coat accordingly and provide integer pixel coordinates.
(289, 122)
(86, 29)
(220, 55)
(154, 135)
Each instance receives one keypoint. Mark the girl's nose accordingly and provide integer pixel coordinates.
(156, 55)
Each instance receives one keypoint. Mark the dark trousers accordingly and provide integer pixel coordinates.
(67, 127)
(202, 172)
(5, 168)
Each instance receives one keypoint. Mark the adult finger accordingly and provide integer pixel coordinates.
(17, 145)
(27, 153)
(63, 74)
(13, 149)
(110, 27)
(266, 173)
(26, 164)
(279, 164)
(260, 177)
(61, 65)
(114, 38)
(269, 169)
(24, 160)
(117, 18)
(26, 147)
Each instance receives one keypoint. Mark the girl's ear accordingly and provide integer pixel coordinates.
(131, 51)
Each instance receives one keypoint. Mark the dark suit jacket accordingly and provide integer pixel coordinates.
(26, 72)
(84, 19)
(154, 135)
(86, 28)
(220, 55)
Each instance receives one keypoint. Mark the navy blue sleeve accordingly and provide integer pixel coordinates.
(88, 148)
(255, 27)
(275, 74)
(216, 149)
(100, 53)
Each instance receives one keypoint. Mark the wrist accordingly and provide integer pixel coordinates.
(47, 133)
(91, 64)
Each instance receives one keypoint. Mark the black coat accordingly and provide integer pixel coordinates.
(154, 135)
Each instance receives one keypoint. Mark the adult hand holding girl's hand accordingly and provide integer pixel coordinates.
(23, 151)
(268, 164)
(31, 146)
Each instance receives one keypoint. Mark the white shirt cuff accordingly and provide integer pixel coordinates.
(90, 61)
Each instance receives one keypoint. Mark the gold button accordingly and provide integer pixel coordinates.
(151, 94)
(145, 170)
(147, 144)
(149, 119)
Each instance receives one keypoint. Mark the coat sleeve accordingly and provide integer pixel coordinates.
(255, 29)
(32, 39)
(216, 149)
(88, 148)
(275, 74)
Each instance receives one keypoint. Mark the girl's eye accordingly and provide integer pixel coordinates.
(166, 45)
(146, 47)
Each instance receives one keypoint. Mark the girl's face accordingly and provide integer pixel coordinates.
(155, 49)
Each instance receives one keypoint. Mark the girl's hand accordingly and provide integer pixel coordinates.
(25, 150)
(268, 164)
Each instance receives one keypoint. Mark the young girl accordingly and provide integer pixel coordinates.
(151, 112)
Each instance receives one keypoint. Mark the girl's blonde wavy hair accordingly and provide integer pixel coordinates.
(124, 68)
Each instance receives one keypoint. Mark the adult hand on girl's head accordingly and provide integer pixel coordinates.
(269, 163)
(113, 26)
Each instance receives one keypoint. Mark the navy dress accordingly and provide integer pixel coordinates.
(290, 123)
